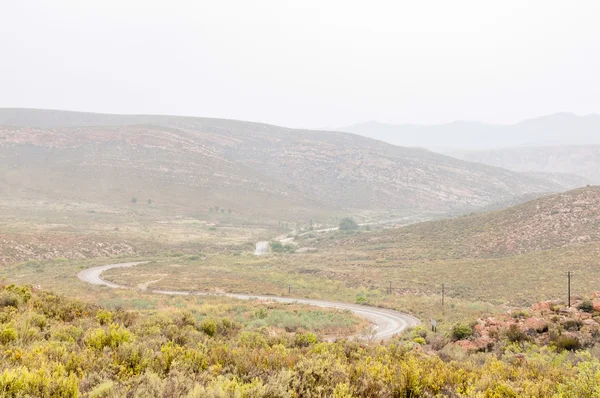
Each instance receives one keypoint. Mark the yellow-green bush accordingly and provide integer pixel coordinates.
(67, 352)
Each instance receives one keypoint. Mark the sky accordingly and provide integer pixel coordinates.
(304, 63)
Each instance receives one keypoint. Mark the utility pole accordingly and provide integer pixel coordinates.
(569, 274)
(390, 288)
(443, 292)
(289, 289)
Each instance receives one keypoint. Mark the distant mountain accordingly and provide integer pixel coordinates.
(566, 165)
(257, 169)
(557, 129)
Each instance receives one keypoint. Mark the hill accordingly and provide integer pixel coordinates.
(559, 129)
(256, 169)
(515, 256)
(550, 222)
(543, 162)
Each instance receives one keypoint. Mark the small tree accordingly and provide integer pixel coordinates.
(149, 201)
(348, 224)
(133, 199)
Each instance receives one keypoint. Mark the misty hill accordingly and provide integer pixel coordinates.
(552, 130)
(254, 168)
(581, 162)
(550, 222)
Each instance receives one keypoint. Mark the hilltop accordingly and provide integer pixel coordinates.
(256, 169)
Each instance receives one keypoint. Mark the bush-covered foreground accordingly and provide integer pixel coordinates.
(51, 346)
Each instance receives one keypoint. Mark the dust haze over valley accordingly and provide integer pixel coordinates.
(173, 224)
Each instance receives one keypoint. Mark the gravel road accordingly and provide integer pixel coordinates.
(387, 322)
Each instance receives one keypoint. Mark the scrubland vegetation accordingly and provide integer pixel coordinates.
(51, 346)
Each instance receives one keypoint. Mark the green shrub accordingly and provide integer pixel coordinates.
(38, 320)
(104, 317)
(8, 299)
(514, 334)
(278, 247)
(348, 224)
(8, 334)
(569, 343)
(586, 306)
(103, 390)
(520, 314)
(420, 340)
(361, 298)
(305, 339)
(209, 327)
(460, 331)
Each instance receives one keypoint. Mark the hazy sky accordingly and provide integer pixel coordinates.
(304, 63)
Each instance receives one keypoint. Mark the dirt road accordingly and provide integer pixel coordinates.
(387, 322)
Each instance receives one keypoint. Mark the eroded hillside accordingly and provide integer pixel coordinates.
(243, 164)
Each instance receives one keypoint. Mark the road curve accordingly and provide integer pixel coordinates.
(387, 322)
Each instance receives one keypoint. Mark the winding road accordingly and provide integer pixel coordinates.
(387, 322)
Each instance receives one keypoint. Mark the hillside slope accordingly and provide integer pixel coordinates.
(582, 160)
(546, 223)
(198, 162)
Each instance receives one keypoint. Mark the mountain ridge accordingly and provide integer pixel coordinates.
(556, 129)
(215, 160)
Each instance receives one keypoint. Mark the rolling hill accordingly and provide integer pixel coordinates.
(514, 256)
(252, 167)
(551, 222)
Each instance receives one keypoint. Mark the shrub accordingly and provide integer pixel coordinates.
(461, 331)
(520, 314)
(419, 340)
(514, 334)
(348, 224)
(209, 327)
(360, 298)
(586, 306)
(133, 199)
(8, 334)
(104, 317)
(572, 325)
(261, 313)
(38, 320)
(102, 390)
(305, 339)
(9, 299)
(566, 342)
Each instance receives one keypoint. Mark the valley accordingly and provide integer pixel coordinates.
(160, 217)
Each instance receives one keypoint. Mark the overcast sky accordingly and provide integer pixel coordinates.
(304, 63)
